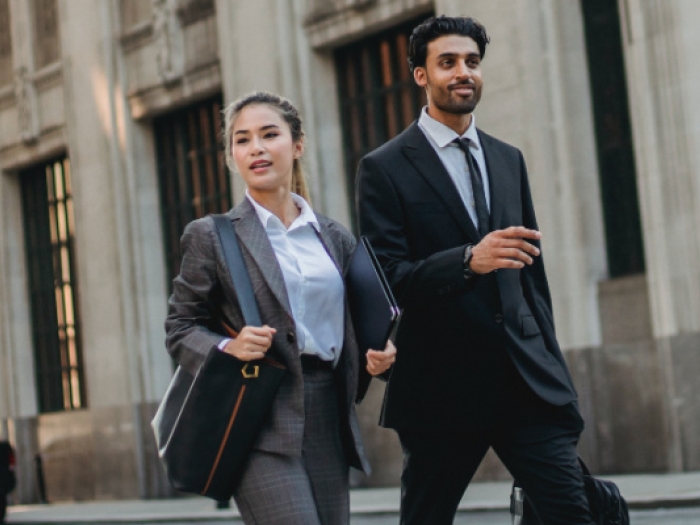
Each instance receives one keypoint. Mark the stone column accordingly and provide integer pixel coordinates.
(663, 78)
(660, 44)
(17, 377)
(18, 403)
(18, 400)
(95, 142)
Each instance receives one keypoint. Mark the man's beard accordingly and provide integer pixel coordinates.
(455, 105)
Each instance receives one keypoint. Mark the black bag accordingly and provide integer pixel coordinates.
(7, 469)
(206, 425)
(607, 505)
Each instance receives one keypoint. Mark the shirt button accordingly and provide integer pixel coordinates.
(291, 337)
(498, 318)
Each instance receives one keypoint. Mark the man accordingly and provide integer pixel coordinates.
(449, 212)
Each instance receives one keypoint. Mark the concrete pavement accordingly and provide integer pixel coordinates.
(642, 491)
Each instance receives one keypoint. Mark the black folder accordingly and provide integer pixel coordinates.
(373, 309)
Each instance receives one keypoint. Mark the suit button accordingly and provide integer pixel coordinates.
(291, 337)
(498, 318)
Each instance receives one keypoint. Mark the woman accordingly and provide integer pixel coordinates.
(298, 470)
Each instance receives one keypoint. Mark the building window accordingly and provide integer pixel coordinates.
(378, 96)
(618, 179)
(5, 44)
(47, 45)
(194, 180)
(47, 205)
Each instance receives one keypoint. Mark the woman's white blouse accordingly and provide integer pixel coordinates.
(314, 285)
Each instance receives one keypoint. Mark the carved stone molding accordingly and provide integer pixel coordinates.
(169, 40)
(18, 155)
(191, 11)
(48, 77)
(330, 23)
(137, 36)
(27, 106)
(320, 10)
(201, 82)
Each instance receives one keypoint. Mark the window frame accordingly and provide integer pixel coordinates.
(373, 73)
(192, 175)
(54, 294)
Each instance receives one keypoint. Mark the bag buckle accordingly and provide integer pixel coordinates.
(253, 374)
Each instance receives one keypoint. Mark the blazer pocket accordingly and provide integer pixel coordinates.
(530, 328)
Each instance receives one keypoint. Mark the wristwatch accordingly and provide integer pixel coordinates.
(468, 272)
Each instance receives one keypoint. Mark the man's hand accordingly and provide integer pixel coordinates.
(379, 361)
(504, 249)
(251, 343)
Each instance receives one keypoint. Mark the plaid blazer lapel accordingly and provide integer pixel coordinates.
(332, 245)
(255, 241)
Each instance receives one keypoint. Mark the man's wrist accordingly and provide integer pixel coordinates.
(466, 262)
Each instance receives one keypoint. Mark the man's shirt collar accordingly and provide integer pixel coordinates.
(443, 135)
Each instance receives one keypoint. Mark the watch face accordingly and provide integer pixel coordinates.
(468, 272)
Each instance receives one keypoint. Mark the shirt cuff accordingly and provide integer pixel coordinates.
(223, 343)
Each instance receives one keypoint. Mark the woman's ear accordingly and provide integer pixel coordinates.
(299, 148)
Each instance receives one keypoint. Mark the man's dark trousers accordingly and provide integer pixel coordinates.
(478, 363)
(534, 440)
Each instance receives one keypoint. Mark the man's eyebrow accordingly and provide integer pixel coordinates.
(452, 54)
(264, 128)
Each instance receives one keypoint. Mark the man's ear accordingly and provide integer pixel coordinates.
(420, 75)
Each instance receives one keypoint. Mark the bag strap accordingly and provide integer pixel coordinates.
(237, 269)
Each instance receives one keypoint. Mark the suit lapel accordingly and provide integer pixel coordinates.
(331, 244)
(499, 187)
(422, 155)
(254, 238)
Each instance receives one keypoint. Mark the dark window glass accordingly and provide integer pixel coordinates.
(618, 182)
(47, 204)
(378, 96)
(192, 172)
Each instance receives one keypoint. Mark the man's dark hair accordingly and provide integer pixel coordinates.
(442, 25)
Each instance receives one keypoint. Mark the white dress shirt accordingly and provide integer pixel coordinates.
(314, 285)
(442, 138)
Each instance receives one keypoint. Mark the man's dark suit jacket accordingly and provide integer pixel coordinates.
(452, 328)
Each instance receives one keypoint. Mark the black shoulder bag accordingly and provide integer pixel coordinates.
(206, 425)
(607, 505)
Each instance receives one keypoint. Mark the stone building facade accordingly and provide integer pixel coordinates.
(109, 115)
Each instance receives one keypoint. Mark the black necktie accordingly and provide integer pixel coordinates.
(482, 210)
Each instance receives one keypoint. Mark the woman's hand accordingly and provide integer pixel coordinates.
(379, 361)
(252, 343)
